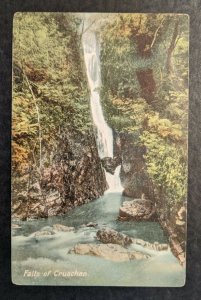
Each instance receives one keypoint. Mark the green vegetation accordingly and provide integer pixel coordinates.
(144, 65)
(145, 79)
(50, 93)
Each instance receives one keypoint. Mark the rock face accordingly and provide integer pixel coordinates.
(137, 209)
(75, 177)
(134, 176)
(181, 217)
(108, 251)
(111, 236)
(136, 182)
(110, 164)
(175, 227)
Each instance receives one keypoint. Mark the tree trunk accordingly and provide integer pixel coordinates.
(147, 84)
(171, 48)
(38, 119)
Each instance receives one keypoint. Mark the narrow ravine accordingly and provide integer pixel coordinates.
(99, 149)
(37, 247)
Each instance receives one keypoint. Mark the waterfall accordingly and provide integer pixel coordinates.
(104, 134)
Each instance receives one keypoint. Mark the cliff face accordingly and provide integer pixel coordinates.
(173, 222)
(137, 184)
(134, 176)
(74, 178)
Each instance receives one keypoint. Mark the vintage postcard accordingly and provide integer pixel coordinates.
(99, 149)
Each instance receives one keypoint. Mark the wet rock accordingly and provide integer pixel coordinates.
(42, 233)
(48, 228)
(91, 224)
(111, 236)
(134, 176)
(107, 235)
(155, 246)
(60, 227)
(108, 251)
(162, 247)
(15, 226)
(110, 163)
(137, 209)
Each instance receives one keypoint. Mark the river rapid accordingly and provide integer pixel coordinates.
(45, 260)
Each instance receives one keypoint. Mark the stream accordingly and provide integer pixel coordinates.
(45, 260)
(50, 253)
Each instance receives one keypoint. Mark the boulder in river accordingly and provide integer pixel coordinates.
(107, 235)
(42, 233)
(137, 209)
(60, 227)
(91, 224)
(108, 251)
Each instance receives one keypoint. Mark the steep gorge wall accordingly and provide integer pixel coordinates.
(137, 184)
(74, 178)
(134, 176)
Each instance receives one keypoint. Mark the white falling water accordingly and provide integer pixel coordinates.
(104, 135)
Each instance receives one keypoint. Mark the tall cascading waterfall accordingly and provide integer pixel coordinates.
(104, 134)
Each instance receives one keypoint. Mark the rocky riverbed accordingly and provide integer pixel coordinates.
(90, 239)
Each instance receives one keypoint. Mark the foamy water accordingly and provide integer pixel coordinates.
(50, 253)
(104, 134)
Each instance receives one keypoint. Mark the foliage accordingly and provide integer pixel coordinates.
(153, 108)
(144, 70)
(48, 83)
(167, 166)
